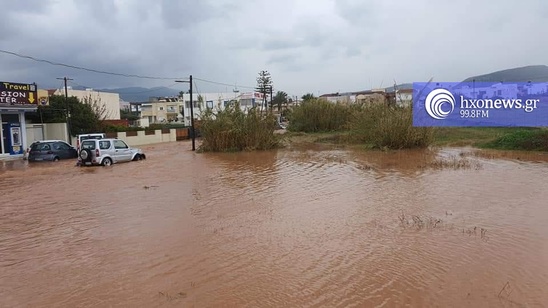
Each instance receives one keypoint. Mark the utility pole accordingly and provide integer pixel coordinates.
(65, 79)
(192, 131)
(192, 117)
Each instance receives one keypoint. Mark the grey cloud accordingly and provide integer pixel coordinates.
(227, 41)
(282, 58)
(357, 12)
(353, 51)
(184, 13)
(305, 34)
(276, 43)
(27, 6)
(103, 11)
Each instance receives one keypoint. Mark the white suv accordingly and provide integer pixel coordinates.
(106, 152)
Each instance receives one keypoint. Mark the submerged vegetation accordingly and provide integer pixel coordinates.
(375, 124)
(232, 129)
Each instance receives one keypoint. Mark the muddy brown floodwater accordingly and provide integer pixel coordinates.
(306, 226)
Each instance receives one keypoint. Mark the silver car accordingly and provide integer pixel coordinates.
(106, 152)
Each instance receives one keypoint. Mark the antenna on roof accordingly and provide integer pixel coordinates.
(235, 90)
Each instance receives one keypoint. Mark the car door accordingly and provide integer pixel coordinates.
(123, 153)
(39, 151)
(63, 150)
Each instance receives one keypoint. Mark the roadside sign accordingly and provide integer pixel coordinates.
(18, 93)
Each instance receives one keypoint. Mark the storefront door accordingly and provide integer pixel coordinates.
(12, 139)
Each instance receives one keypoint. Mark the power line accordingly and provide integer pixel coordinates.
(138, 92)
(116, 74)
(84, 68)
(222, 83)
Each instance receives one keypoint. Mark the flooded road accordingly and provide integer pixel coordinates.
(298, 227)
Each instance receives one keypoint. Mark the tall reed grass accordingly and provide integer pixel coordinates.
(232, 129)
(319, 115)
(374, 123)
(383, 126)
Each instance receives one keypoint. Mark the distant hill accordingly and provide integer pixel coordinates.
(534, 73)
(402, 86)
(137, 94)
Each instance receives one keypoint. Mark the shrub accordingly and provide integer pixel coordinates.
(231, 129)
(319, 115)
(383, 126)
(155, 126)
(109, 128)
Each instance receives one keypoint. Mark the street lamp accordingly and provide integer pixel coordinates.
(192, 133)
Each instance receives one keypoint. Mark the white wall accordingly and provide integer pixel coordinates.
(111, 101)
(142, 138)
(46, 131)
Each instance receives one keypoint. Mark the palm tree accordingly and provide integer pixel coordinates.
(308, 96)
(280, 99)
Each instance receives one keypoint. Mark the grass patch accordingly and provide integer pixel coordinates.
(470, 136)
(520, 139)
(231, 130)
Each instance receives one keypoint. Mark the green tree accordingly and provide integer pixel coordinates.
(128, 115)
(84, 118)
(308, 96)
(264, 83)
(281, 98)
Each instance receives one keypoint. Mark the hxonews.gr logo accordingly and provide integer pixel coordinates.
(439, 104)
(480, 104)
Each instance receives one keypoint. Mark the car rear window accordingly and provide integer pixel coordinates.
(40, 147)
(88, 145)
(91, 137)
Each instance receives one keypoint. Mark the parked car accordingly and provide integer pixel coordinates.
(26, 154)
(51, 150)
(106, 152)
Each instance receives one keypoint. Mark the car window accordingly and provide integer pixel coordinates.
(88, 145)
(119, 144)
(41, 147)
(104, 145)
(61, 146)
(91, 137)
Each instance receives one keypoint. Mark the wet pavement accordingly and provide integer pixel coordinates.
(307, 226)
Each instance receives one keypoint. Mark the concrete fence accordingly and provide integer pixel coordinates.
(137, 138)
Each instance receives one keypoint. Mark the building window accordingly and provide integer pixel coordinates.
(196, 105)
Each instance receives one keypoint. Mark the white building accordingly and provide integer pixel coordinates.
(218, 101)
(110, 102)
(496, 90)
(536, 88)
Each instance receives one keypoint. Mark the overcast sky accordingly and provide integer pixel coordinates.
(317, 46)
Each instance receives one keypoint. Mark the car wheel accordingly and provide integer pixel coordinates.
(85, 155)
(56, 158)
(106, 161)
(137, 157)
